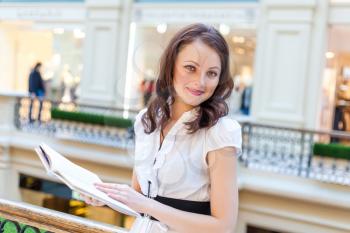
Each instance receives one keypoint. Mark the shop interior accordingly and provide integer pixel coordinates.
(57, 46)
(335, 102)
(151, 39)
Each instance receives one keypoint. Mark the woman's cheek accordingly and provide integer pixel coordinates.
(184, 77)
(180, 76)
(212, 86)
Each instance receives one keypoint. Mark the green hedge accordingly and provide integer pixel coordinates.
(333, 150)
(91, 118)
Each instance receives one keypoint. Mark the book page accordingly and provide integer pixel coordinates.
(45, 161)
(64, 166)
(79, 179)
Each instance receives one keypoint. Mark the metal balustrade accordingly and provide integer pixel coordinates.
(265, 147)
(290, 151)
(102, 135)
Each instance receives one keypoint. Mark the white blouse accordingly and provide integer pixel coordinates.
(179, 169)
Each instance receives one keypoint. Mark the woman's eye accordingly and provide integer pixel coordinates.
(190, 68)
(212, 74)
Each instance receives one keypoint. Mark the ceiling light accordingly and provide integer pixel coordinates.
(78, 34)
(238, 39)
(161, 28)
(58, 30)
(224, 29)
(329, 55)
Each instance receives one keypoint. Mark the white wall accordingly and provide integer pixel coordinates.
(289, 60)
(7, 59)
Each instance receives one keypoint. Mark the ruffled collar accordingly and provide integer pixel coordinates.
(176, 131)
(159, 156)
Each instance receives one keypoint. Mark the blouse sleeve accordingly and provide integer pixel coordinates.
(138, 127)
(225, 133)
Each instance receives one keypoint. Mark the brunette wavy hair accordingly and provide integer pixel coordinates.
(209, 111)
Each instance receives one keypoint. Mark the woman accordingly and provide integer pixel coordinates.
(186, 147)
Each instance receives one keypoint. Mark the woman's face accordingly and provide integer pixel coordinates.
(196, 73)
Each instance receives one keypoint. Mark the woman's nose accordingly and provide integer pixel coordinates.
(201, 79)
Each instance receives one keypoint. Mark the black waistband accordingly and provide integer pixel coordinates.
(185, 205)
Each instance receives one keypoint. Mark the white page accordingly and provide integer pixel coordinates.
(64, 166)
(79, 179)
(43, 158)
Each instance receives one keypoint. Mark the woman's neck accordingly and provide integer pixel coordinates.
(178, 108)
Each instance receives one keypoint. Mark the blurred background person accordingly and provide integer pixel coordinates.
(147, 88)
(36, 90)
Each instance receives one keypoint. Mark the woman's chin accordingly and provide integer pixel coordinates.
(193, 103)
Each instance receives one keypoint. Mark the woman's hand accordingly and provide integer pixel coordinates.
(127, 195)
(90, 201)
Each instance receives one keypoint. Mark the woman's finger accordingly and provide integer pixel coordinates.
(115, 187)
(88, 200)
(112, 185)
(119, 197)
(83, 197)
(105, 185)
(94, 202)
(97, 203)
(108, 190)
(80, 196)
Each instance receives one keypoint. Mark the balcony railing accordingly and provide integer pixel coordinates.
(275, 149)
(290, 151)
(17, 217)
(96, 134)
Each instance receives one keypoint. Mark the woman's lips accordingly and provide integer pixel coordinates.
(194, 91)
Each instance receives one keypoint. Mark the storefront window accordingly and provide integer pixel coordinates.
(150, 41)
(335, 104)
(58, 48)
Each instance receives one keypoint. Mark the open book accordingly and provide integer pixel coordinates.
(77, 178)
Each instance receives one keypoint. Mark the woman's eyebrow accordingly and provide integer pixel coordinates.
(213, 67)
(193, 62)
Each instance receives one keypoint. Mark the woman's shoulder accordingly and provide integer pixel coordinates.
(138, 127)
(140, 114)
(225, 123)
(226, 132)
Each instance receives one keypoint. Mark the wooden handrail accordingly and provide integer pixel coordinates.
(52, 220)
